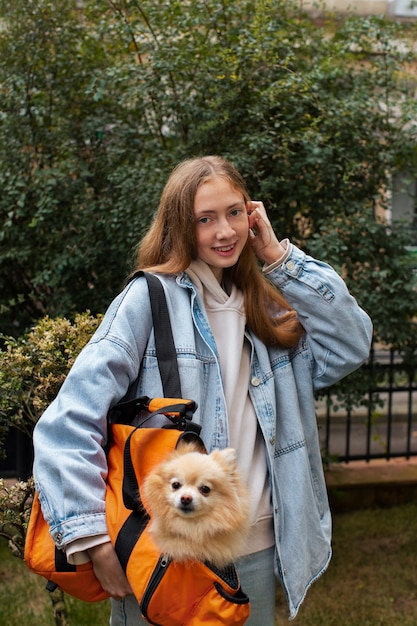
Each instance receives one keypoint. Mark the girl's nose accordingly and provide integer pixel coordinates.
(224, 230)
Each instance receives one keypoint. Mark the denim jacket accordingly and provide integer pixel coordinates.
(70, 462)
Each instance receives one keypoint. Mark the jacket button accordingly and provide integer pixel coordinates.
(59, 539)
(290, 265)
(272, 441)
(255, 381)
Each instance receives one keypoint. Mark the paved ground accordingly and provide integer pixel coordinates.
(359, 484)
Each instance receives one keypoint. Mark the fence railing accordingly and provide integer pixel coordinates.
(375, 432)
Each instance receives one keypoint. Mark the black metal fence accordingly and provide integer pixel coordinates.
(386, 426)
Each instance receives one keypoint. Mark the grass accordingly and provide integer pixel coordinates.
(371, 580)
(24, 601)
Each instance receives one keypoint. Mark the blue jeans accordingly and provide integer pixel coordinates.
(256, 573)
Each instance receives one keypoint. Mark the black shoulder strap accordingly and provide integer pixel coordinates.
(164, 341)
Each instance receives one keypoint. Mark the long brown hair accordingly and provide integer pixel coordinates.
(170, 245)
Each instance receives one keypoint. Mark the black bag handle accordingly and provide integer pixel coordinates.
(164, 340)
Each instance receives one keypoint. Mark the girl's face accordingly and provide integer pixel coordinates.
(222, 227)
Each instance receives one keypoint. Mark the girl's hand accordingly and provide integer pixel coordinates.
(109, 572)
(261, 234)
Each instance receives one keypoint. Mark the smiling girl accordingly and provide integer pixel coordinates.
(253, 344)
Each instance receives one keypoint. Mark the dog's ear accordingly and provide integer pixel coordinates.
(227, 456)
(189, 443)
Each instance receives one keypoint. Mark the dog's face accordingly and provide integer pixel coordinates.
(198, 505)
(192, 484)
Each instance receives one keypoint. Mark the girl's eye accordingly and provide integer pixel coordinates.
(204, 220)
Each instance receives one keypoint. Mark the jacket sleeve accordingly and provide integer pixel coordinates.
(70, 465)
(338, 331)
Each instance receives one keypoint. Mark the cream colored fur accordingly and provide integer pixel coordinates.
(198, 505)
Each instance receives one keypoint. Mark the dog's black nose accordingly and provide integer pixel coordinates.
(186, 500)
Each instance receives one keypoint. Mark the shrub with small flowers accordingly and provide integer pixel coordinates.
(34, 366)
(32, 369)
(15, 505)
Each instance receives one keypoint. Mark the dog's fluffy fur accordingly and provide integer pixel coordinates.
(198, 505)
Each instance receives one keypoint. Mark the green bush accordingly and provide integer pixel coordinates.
(33, 368)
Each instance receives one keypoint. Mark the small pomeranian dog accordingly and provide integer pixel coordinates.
(198, 505)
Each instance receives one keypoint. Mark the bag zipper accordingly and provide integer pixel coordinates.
(155, 579)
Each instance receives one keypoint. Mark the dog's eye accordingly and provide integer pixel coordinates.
(205, 490)
(175, 485)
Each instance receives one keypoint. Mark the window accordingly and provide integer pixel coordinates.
(403, 8)
(404, 203)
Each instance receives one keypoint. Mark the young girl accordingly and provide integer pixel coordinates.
(253, 345)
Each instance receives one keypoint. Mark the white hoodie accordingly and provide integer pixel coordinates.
(226, 314)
